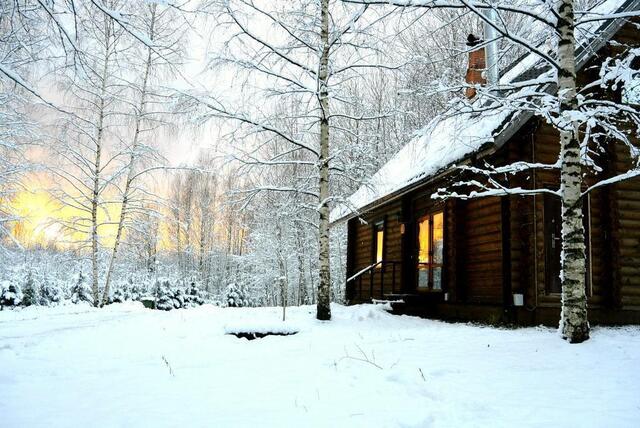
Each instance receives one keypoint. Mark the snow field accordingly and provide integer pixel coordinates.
(75, 366)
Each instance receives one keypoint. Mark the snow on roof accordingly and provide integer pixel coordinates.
(441, 143)
(447, 139)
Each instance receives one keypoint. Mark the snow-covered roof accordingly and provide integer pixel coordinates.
(457, 134)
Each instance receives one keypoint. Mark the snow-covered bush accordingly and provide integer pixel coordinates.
(178, 298)
(235, 296)
(119, 295)
(50, 294)
(135, 290)
(175, 296)
(129, 290)
(80, 291)
(11, 295)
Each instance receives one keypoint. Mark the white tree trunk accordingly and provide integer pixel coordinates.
(574, 324)
(324, 286)
(130, 173)
(302, 283)
(95, 196)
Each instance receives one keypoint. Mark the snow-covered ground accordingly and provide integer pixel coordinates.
(126, 366)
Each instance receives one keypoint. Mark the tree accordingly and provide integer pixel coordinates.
(35, 30)
(86, 160)
(306, 57)
(112, 105)
(159, 24)
(18, 53)
(588, 120)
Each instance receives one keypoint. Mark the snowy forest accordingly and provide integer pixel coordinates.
(410, 203)
(154, 142)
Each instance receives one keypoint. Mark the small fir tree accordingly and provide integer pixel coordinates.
(80, 291)
(29, 291)
(164, 296)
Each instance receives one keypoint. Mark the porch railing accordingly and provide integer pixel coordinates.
(366, 277)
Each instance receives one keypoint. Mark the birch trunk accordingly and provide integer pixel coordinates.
(302, 283)
(284, 278)
(130, 173)
(574, 324)
(324, 286)
(94, 211)
(98, 168)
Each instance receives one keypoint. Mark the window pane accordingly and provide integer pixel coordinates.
(423, 241)
(423, 277)
(379, 245)
(438, 237)
(437, 278)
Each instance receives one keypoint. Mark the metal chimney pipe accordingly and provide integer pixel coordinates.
(491, 51)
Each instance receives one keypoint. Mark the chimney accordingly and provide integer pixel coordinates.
(491, 35)
(477, 65)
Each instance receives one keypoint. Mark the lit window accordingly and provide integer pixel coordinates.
(430, 251)
(379, 237)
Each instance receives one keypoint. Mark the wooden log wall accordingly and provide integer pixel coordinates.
(380, 282)
(625, 209)
(483, 250)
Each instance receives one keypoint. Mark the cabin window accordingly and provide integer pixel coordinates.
(430, 251)
(553, 243)
(379, 242)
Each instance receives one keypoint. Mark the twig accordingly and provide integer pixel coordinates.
(166, 363)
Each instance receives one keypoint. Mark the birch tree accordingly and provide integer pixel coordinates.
(163, 29)
(48, 30)
(302, 52)
(93, 92)
(18, 130)
(95, 148)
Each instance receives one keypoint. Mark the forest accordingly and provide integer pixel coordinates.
(146, 142)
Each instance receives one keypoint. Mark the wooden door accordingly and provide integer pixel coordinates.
(552, 243)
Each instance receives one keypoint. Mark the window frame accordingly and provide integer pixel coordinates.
(430, 264)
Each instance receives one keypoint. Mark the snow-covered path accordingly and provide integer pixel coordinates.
(126, 366)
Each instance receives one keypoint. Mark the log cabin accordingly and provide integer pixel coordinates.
(496, 259)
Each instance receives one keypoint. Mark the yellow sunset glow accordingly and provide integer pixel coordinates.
(36, 226)
(41, 217)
